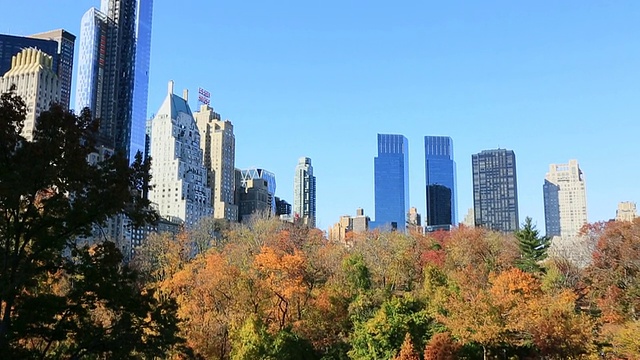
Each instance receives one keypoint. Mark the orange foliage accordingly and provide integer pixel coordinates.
(441, 347)
(407, 352)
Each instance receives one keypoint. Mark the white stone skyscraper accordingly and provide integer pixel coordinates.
(36, 82)
(179, 178)
(565, 200)
(219, 148)
(304, 193)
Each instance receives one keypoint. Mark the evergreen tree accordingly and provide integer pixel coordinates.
(533, 247)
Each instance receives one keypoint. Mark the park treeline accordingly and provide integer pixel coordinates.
(273, 290)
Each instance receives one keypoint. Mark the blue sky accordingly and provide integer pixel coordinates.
(551, 80)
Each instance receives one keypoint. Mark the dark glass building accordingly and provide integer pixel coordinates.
(282, 207)
(440, 177)
(59, 44)
(495, 190)
(391, 182)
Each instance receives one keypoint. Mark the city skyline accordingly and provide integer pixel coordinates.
(491, 75)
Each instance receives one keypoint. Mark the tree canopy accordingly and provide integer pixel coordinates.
(60, 297)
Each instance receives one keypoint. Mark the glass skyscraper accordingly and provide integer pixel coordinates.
(495, 190)
(59, 44)
(141, 82)
(108, 81)
(440, 175)
(391, 181)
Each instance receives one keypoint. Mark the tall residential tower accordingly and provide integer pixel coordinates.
(304, 193)
(440, 172)
(179, 178)
(219, 147)
(391, 182)
(565, 200)
(36, 83)
(113, 40)
(495, 190)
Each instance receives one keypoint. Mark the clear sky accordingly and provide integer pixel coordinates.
(551, 80)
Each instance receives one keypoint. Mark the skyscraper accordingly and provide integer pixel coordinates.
(304, 193)
(36, 83)
(391, 181)
(179, 178)
(440, 172)
(59, 44)
(219, 147)
(144, 14)
(107, 72)
(565, 200)
(495, 190)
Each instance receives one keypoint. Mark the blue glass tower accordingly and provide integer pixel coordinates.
(108, 81)
(391, 168)
(440, 171)
(141, 81)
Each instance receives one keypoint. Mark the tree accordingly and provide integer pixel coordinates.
(50, 195)
(613, 278)
(441, 347)
(407, 352)
(493, 315)
(254, 342)
(381, 336)
(532, 245)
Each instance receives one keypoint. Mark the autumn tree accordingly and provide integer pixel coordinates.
(49, 196)
(532, 245)
(441, 347)
(613, 278)
(407, 352)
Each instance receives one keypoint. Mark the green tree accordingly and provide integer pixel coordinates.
(58, 299)
(253, 341)
(533, 247)
(357, 272)
(381, 336)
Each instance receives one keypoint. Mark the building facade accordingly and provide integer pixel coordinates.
(626, 211)
(36, 83)
(347, 225)
(106, 73)
(440, 178)
(495, 190)
(391, 182)
(282, 207)
(414, 220)
(179, 178)
(304, 193)
(565, 200)
(255, 192)
(59, 44)
(219, 149)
